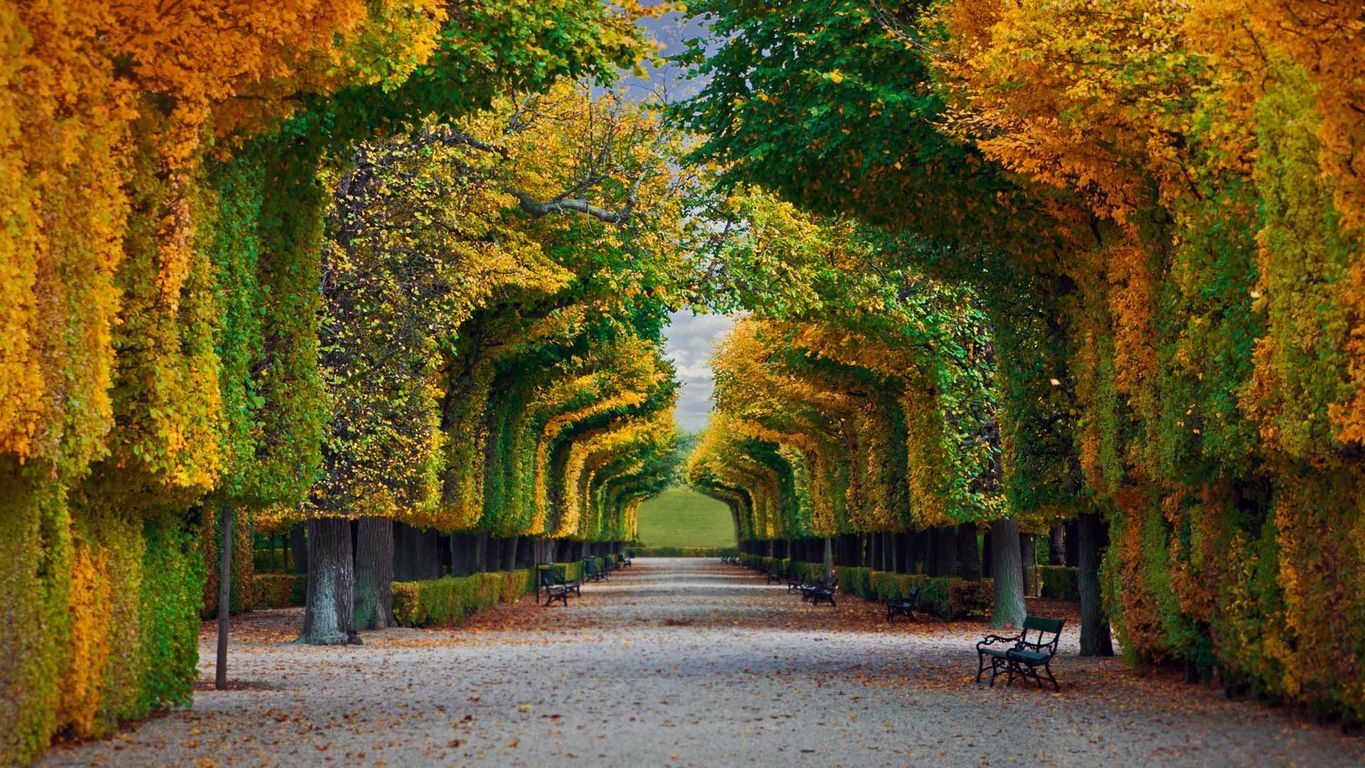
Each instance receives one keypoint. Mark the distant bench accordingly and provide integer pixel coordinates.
(903, 606)
(556, 587)
(822, 591)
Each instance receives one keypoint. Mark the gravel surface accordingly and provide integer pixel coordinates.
(689, 662)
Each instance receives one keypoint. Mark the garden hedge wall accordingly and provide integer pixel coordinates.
(946, 597)
(447, 601)
(278, 590)
(1059, 581)
(684, 551)
(100, 616)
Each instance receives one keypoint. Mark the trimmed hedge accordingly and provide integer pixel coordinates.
(447, 601)
(684, 551)
(278, 590)
(1059, 581)
(946, 597)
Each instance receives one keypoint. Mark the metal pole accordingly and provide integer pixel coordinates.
(224, 595)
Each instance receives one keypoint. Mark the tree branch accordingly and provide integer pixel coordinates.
(537, 209)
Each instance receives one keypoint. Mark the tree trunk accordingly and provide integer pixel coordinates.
(224, 594)
(968, 559)
(1028, 558)
(330, 613)
(1073, 541)
(987, 567)
(1009, 571)
(829, 558)
(914, 551)
(374, 573)
(480, 553)
(945, 551)
(509, 554)
(426, 553)
(1056, 545)
(445, 555)
(459, 555)
(1095, 637)
(403, 553)
(298, 541)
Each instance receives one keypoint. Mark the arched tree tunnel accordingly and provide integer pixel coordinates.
(345, 321)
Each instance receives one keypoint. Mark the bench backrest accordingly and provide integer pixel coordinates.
(547, 577)
(1045, 633)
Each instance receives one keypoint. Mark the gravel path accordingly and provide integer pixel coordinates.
(689, 662)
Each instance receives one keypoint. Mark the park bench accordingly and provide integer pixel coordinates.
(553, 589)
(626, 560)
(575, 587)
(821, 591)
(776, 573)
(1022, 654)
(903, 606)
(591, 572)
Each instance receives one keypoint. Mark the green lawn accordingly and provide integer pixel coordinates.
(679, 517)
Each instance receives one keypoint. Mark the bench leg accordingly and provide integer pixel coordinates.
(1048, 669)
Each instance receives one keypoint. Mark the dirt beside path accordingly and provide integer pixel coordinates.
(689, 662)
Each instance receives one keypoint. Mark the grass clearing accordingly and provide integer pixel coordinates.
(680, 517)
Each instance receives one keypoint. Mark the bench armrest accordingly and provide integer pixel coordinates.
(993, 639)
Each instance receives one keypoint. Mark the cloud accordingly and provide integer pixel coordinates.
(688, 342)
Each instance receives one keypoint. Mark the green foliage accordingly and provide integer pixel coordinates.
(706, 552)
(35, 573)
(172, 573)
(278, 590)
(109, 602)
(1059, 581)
(946, 597)
(447, 601)
(1149, 208)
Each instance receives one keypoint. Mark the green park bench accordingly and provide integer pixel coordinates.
(1022, 654)
(554, 590)
(821, 591)
(903, 606)
(776, 573)
(574, 586)
(591, 572)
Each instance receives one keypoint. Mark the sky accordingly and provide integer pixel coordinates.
(688, 341)
(689, 338)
